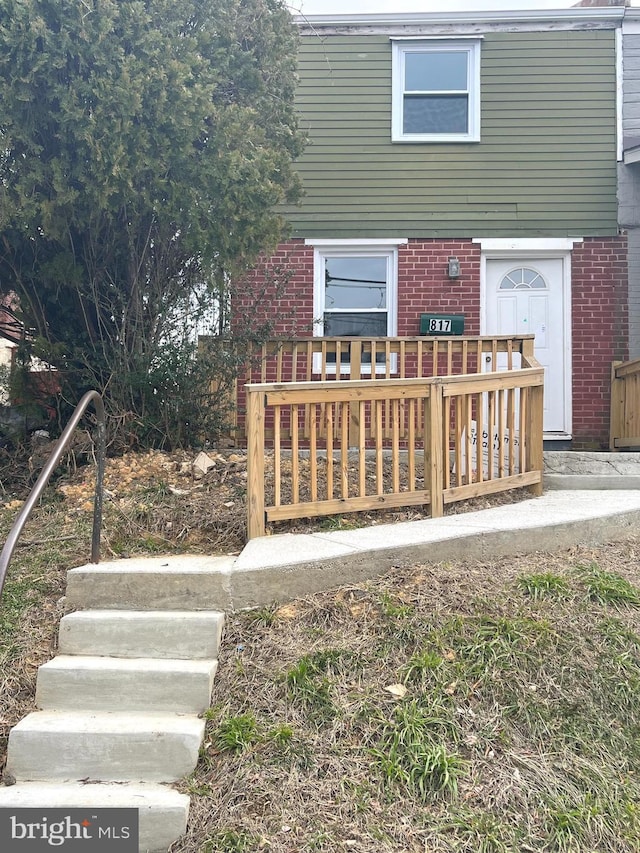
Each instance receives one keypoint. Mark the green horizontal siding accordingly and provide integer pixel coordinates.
(545, 165)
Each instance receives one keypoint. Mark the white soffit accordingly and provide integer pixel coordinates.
(527, 244)
(319, 242)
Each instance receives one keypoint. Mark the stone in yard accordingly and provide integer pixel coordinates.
(202, 464)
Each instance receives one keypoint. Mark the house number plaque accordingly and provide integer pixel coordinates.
(441, 324)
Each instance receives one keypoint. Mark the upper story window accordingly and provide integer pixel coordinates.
(436, 91)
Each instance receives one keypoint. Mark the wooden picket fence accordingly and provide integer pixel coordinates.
(285, 360)
(625, 405)
(357, 445)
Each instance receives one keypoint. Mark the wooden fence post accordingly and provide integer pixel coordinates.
(433, 449)
(255, 462)
(616, 416)
(527, 350)
(535, 435)
(355, 372)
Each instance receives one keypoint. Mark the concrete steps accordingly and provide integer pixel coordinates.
(159, 583)
(120, 707)
(176, 634)
(162, 812)
(114, 747)
(125, 684)
(591, 470)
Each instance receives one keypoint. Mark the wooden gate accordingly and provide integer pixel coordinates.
(625, 405)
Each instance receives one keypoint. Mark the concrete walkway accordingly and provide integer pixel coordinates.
(285, 566)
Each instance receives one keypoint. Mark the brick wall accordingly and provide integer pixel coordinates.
(599, 308)
(264, 295)
(424, 286)
(599, 330)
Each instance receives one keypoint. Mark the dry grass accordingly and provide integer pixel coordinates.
(452, 707)
(511, 724)
(31, 604)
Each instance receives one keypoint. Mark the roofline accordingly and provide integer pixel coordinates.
(602, 14)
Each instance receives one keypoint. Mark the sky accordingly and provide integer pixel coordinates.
(319, 7)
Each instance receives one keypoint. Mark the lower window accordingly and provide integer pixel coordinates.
(355, 296)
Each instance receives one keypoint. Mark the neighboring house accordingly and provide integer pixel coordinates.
(467, 164)
(11, 332)
(43, 379)
(629, 168)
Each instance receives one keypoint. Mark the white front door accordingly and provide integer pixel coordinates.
(527, 295)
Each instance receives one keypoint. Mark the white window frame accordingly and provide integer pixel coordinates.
(471, 47)
(354, 249)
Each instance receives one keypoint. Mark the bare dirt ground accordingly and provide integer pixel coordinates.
(178, 506)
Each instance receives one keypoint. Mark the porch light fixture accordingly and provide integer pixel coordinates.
(453, 268)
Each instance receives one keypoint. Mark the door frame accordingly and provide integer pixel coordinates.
(556, 248)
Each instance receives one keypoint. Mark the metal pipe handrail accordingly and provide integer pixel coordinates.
(41, 483)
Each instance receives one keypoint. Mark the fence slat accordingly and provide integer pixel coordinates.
(313, 454)
(329, 421)
(466, 404)
(480, 437)
(522, 427)
(491, 430)
(344, 449)
(395, 445)
(458, 440)
(362, 444)
(277, 454)
(511, 426)
(411, 445)
(501, 422)
(377, 409)
(295, 458)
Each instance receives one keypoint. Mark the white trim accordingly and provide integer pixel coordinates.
(354, 248)
(611, 14)
(619, 94)
(346, 250)
(532, 245)
(469, 46)
(341, 242)
(498, 248)
(435, 38)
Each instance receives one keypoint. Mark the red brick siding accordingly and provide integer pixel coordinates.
(599, 329)
(265, 293)
(424, 286)
(599, 308)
